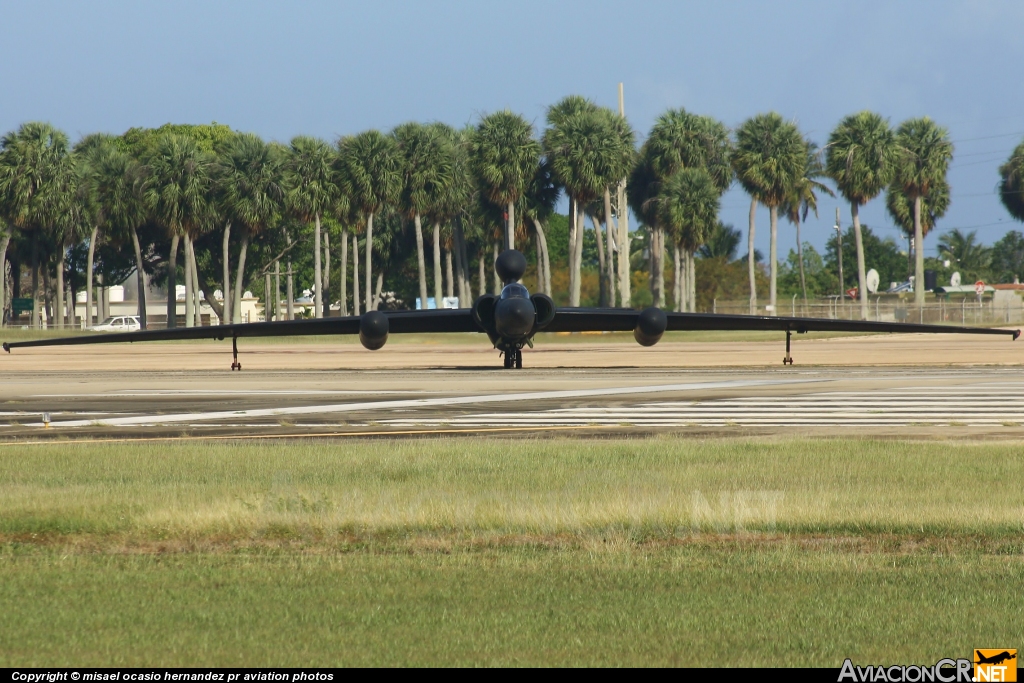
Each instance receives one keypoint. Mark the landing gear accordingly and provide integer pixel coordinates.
(788, 360)
(235, 365)
(513, 359)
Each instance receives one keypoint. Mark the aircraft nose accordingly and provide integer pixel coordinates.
(513, 318)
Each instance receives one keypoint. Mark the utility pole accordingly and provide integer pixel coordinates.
(622, 212)
(839, 243)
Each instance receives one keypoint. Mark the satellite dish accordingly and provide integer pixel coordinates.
(954, 280)
(872, 281)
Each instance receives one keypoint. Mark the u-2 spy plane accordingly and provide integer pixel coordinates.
(510, 321)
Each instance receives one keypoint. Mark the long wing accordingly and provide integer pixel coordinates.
(624, 320)
(444, 320)
(461, 320)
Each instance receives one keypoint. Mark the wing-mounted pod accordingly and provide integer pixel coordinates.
(650, 326)
(373, 330)
(483, 315)
(545, 308)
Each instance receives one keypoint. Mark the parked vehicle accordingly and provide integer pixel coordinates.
(121, 323)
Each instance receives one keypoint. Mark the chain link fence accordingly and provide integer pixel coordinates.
(1007, 310)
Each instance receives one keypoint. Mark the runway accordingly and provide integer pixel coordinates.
(886, 401)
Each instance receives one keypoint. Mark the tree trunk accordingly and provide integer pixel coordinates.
(571, 249)
(47, 311)
(327, 275)
(290, 287)
(437, 268)
(576, 259)
(861, 289)
(677, 279)
(35, 279)
(543, 240)
(380, 286)
(190, 302)
(449, 284)
(355, 274)
(277, 290)
(371, 305)
(318, 278)
(236, 306)
(207, 288)
(918, 255)
(344, 273)
(482, 267)
(693, 281)
(800, 256)
(421, 260)
(609, 233)
(497, 281)
(142, 278)
(60, 287)
(462, 263)
(197, 291)
(602, 262)
(226, 271)
(267, 299)
(172, 284)
(510, 228)
(89, 265)
(659, 275)
(773, 258)
(5, 239)
(625, 284)
(750, 257)
(460, 271)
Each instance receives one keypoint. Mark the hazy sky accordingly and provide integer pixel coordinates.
(333, 68)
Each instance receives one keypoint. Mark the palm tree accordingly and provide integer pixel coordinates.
(538, 205)
(972, 259)
(587, 155)
(923, 153)
(250, 182)
(687, 206)
(429, 164)
(802, 198)
(1011, 183)
(87, 151)
(119, 182)
(504, 157)
(29, 159)
(65, 219)
(312, 187)
(178, 196)
(770, 157)
(901, 209)
(679, 139)
(5, 240)
(860, 158)
(370, 170)
(722, 243)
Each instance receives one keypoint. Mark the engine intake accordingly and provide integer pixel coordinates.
(650, 326)
(373, 330)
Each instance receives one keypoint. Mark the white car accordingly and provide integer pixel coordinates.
(121, 323)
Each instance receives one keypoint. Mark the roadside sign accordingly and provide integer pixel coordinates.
(21, 304)
(979, 287)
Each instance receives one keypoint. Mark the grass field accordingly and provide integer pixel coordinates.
(563, 551)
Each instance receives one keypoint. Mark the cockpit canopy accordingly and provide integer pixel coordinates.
(515, 291)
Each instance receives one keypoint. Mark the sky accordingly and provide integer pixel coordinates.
(335, 68)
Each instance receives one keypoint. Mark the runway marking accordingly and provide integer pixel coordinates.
(425, 403)
(977, 405)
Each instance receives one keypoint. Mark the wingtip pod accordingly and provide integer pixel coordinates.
(373, 330)
(1016, 333)
(7, 347)
(650, 326)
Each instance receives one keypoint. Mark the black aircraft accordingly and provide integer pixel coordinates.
(510, 321)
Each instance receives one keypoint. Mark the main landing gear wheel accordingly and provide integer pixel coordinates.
(514, 359)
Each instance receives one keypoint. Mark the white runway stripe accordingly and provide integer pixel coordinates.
(376, 406)
(980, 405)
